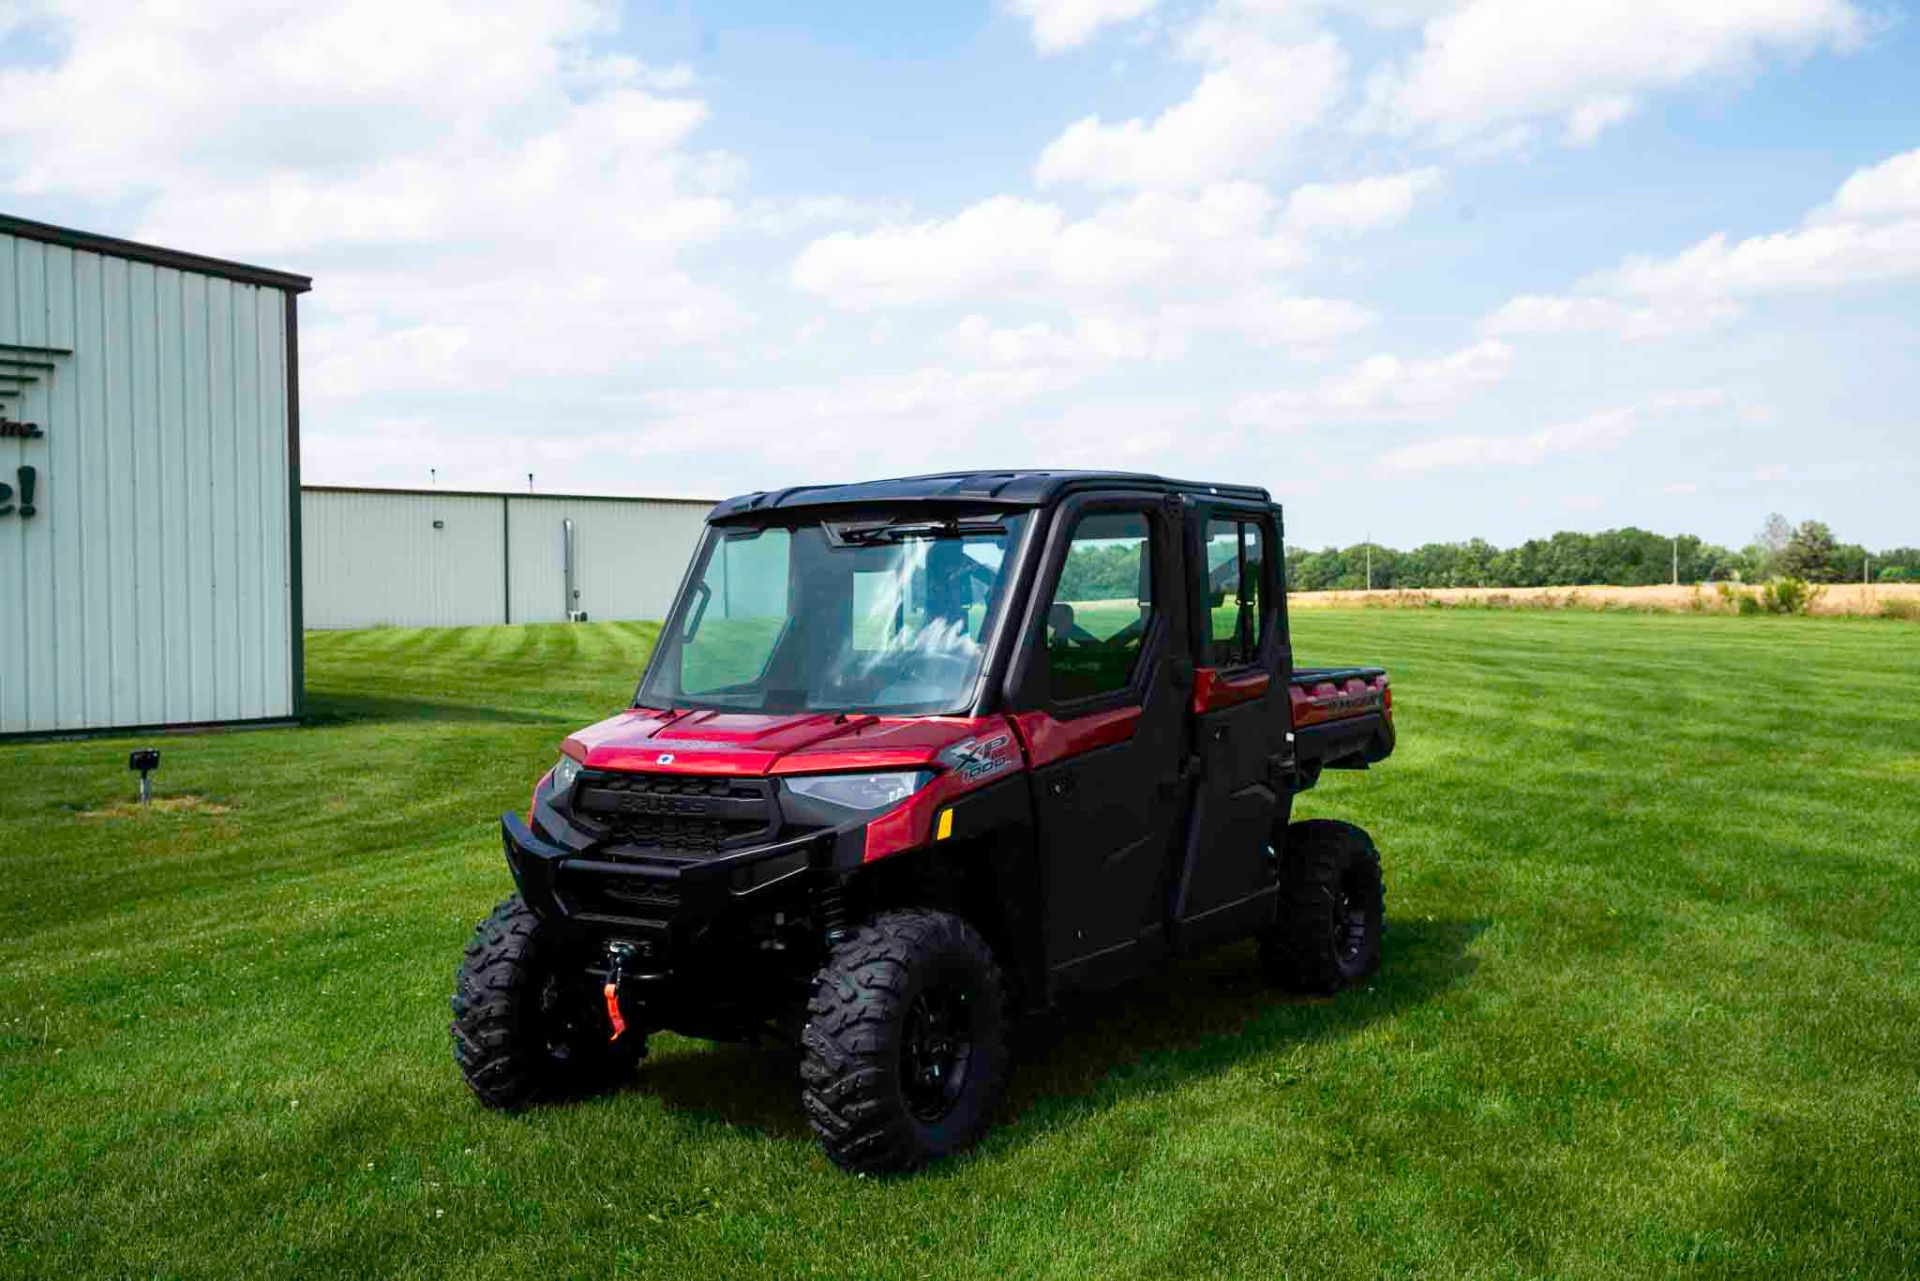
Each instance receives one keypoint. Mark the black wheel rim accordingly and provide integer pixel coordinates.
(936, 1052)
(1350, 924)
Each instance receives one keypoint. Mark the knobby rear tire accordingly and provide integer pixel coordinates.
(1331, 910)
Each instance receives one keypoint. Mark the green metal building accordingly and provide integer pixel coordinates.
(149, 486)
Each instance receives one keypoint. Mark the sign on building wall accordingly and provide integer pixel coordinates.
(21, 366)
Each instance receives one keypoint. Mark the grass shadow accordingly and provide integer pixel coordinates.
(325, 708)
(1204, 1016)
(742, 1086)
(1197, 1018)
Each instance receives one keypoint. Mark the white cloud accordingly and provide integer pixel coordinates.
(1810, 258)
(1594, 116)
(1093, 339)
(1064, 24)
(1264, 319)
(871, 424)
(1692, 398)
(1253, 97)
(1583, 502)
(1869, 231)
(1490, 64)
(1007, 247)
(1597, 432)
(437, 166)
(1680, 488)
(1603, 430)
(1591, 313)
(1362, 205)
(1269, 319)
(1383, 388)
(1770, 471)
(1890, 189)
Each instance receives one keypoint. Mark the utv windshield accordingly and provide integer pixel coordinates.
(886, 614)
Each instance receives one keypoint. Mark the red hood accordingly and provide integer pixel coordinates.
(694, 742)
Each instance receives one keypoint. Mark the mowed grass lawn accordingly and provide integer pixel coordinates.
(1650, 1003)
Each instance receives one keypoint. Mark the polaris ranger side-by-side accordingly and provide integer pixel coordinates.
(912, 758)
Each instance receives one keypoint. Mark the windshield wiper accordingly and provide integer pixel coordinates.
(897, 531)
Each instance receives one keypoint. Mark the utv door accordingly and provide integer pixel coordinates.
(1240, 721)
(1099, 689)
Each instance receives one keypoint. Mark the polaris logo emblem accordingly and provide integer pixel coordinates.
(665, 758)
(643, 803)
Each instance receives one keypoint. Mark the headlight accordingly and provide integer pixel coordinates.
(860, 791)
(563, 775)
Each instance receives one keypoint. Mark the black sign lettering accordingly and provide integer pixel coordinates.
(14, 429)
(28, 480)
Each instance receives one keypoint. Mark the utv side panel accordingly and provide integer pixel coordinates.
(1228, 869)
(1106, 769)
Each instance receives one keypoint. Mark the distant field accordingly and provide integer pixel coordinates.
(1650, 1004)
(1900, 600)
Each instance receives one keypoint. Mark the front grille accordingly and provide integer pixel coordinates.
(676, 812)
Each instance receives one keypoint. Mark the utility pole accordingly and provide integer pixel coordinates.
(529, 482)
(433, 475)
(1676, 562)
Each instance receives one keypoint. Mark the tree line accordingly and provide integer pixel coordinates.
(1616, 557)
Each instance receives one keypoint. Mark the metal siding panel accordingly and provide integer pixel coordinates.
(147, 557)
(629, 555)
(93, 512)
(66, 584)
(538, 573)
(249, 693)
(373, 560)
(34, 278)
(117, 459)
(177, 508)
(276, 578)
(199, 551)
(223, 506)
(15, 656)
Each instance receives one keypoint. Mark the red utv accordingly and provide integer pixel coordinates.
(913, 757)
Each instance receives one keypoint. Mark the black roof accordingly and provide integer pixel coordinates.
(973, 488)
(113, 246)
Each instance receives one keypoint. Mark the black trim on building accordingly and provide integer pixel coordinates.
(504, 493)
(18, 737)
(296, 568)
(89, 242)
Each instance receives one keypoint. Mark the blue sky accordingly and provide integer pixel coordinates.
(1428, 269)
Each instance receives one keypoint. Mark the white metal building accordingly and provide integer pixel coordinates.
(445, 558)
(149, 468)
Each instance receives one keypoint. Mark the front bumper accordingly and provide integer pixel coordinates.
(586, 890)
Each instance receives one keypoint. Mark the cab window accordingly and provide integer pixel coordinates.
(1102, 606)
(1234, 623)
